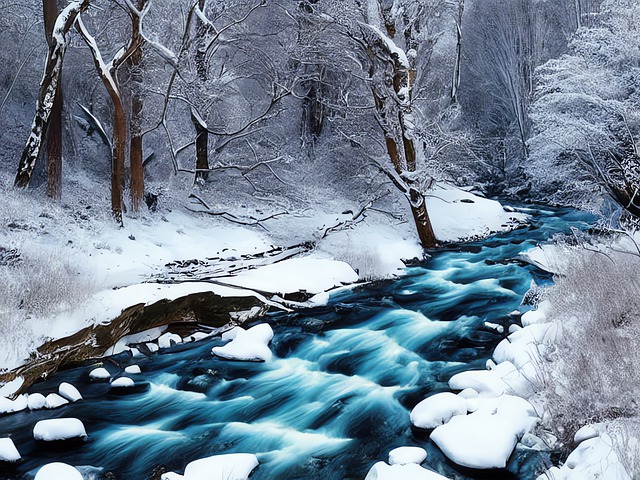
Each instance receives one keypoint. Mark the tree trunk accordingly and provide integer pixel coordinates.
(202, 145)
(48, 91)
(135, 129)
(54, 132)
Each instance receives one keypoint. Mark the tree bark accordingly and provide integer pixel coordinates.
(135, 128)
(202, 145)
(48, 91)
(54, 132)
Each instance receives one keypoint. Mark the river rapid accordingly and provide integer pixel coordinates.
(337, 395)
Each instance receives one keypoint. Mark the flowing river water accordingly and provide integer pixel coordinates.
(337, 395)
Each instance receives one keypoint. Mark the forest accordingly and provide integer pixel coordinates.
(346, 130)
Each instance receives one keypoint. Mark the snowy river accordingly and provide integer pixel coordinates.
(336, 397)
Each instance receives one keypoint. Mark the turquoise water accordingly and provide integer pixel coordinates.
(335, 399)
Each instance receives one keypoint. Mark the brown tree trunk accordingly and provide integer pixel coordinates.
(54, 132)
(135, 129)
(118, 154)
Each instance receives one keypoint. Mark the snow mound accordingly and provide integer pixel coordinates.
(248, 345)
(406, 455)
(232, 466)
(8, 451)
(459, 215)
(9, 406)
(437, 409)
(9, 388)
(69, 392)
(99, 374)
(55, 429)
(123, 382)
(58, 471)
(169, 339)
(36, 401)
(54, 400)
(478, 440)
(133, 369)
(411, 471)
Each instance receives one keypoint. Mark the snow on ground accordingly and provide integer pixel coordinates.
(457, 214)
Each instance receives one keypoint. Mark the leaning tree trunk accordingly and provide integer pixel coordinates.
(54, 132)
(49, 89)
(119, 121)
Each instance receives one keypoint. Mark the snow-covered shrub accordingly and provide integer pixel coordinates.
(595, 374)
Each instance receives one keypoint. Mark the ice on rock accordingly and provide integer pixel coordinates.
(412, 471)
(9, 406)
(53, 400)
(55, 429)
(99, 374)
(232, 466)
(437, 409)
(58, 471)
(248, 345)
(478, 440)
(123, 382)
(169, 339)
(406, 455)
(36, 401)
(133, 369)
(69, 392)
(8, 451)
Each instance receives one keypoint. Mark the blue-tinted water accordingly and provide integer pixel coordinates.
(335, 399)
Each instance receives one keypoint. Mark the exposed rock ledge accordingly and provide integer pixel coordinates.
(204, 308)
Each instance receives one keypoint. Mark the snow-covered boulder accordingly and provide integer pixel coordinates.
(169, 339)
(99, 374)
(487, 383)
(55, 429)
(36, 401)
(437, 409)
(132, 370)
(9, 406)
(9, 388)
(58, 471)
(53, 400)
(539, 315)
(232, 466)
(478, 440)
(123, 382)
(406, 455)
(69, 392)
(248, 345)
(410, 471)
(8, 451)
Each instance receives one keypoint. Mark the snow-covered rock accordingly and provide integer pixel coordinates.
(437, 409)
(9, 406)
(9, 388)
(487, 383)
(133, 369)
(538, 315)
(248, 345)
(58, 471)
(169, 339)
(99, 374)
(69, 392)
(406, 455)
(411, 471)
(58, 429)
(478, 440)
(123, 382)
(8, 451)
(53, 400)
(232, 466)
(36, 401)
